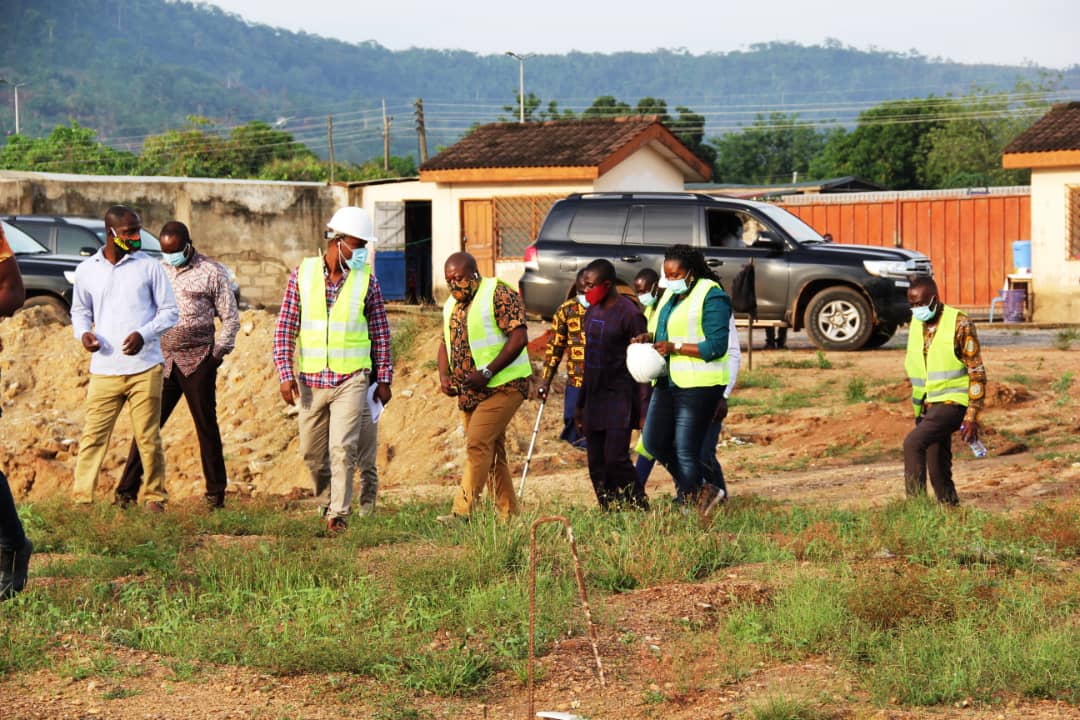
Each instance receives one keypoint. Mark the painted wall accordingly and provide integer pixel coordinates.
(259, 229)
(644, 171)
(1055, 276)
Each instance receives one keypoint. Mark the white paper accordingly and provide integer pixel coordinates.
(375, 405)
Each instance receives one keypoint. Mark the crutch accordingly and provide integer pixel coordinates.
(532, 444)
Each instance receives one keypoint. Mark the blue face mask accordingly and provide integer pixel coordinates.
(924, 313)
(581, 299)
(358, 259)
(647, 299)
(176, 259)
(678, 287)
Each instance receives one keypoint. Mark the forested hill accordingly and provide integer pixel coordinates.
(129, 68)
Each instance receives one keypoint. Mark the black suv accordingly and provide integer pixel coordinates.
(846, 297)
(73, 236)
(48, 278)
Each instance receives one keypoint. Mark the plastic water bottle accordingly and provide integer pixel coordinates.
(976, 445)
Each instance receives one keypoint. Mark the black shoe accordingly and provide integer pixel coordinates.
(215, 501)
(124, 501)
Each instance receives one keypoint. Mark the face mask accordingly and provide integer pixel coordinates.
(176, 259)
(583, 300)
(127, 244)
(677, 287)
(596, 295)
(357, 260)
(463, 290)
(647, 299)
(924, 313)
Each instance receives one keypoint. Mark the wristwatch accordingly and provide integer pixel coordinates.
(678, 347)
(485, 372)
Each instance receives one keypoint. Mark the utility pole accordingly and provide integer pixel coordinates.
(521, 82)
(420, 131)
(330, 138)
(386, 121)
(15, 87)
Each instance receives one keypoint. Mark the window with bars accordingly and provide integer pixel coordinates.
(517, 222)
(1072, 220)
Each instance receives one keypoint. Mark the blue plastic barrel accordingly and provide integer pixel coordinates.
(1014, 305)
(1022, 255)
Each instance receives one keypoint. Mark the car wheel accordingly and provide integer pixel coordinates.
(838, 319)
(881, 334)
(59, 307)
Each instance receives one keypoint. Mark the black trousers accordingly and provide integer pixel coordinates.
(612, 474)
(200, 390)
(928, 448)
(12, 536)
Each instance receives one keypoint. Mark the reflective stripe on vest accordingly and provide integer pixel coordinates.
(939, 376)
(339, 342)
(486, 340)
(684, 325)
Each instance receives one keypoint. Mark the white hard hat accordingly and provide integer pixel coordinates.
(644, 363)
(354, 222)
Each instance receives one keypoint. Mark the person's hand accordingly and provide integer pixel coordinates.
(447, 388)
(542, 390)
(664, 347)
(290, 391)
(133, 343)
(642, 338)
(476, 380)
(969, 431)
(383, 393)
(90, 342)
(721, 411)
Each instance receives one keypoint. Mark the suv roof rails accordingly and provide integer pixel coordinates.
(639, 196)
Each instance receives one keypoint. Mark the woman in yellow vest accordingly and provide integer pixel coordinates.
(948, 383)
(690, 328)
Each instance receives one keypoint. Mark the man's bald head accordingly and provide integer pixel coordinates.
(460, 265)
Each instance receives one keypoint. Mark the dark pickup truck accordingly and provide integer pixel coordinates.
(846, 297)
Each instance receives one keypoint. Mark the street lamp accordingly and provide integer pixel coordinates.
(521, 82)
(16, 87)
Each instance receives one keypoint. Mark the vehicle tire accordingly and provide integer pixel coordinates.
(838, 318)
(59, 307)
(882, 334)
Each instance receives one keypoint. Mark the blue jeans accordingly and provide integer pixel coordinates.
(714, 474)
(675, 427)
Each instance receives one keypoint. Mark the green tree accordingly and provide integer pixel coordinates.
(532, 104)
(768, 151)
(606, 106)
(67, 149)
(888, 145)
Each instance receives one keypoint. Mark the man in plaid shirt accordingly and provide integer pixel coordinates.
(341, 335)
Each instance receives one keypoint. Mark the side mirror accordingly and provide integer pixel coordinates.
(768, 240)
(87, 251)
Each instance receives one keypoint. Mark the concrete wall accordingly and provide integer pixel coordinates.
(1055, 276)
(644, 171)
(259, 229)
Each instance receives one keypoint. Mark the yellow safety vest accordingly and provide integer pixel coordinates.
(339, 341)
(486, 340)
(684, 325)
(938, 376)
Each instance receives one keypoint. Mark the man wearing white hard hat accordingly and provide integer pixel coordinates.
(333, 318)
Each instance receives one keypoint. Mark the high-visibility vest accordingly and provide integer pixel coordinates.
(684, 325)
(339, 339)
(939, 376)
(486, 340)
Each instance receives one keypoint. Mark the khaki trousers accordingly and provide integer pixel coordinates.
(485, 442)
(337, 435)
(105, 399)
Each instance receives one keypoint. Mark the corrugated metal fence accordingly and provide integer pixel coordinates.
(967, 236)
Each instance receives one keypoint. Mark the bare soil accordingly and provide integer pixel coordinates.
(824, 450)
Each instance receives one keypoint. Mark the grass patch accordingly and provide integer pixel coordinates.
(1061, 387)
(406, 332)
(759, 379)
(856, 391)
(1066, 337)
(1019, 379)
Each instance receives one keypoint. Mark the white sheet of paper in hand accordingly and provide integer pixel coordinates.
(374, 404)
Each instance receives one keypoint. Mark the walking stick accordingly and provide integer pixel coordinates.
(532, 444)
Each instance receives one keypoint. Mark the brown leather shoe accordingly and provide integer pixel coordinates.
(336, 526)
(155, 507)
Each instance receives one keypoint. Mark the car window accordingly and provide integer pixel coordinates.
(38, 231)
(149, 241)
(71, 240)
(20, 242)
(599, 223)
(635, 226)
(725, 229)
(670, 224)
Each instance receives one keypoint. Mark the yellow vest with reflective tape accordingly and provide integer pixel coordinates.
(339, 341)
(684, 325)
(486, 340)
(939, 376)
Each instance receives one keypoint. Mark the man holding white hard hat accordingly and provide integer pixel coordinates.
(333, 317)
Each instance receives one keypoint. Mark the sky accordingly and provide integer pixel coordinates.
(1043, 32)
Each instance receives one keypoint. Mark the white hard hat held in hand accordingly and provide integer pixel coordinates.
(354, 222)
(644, 363)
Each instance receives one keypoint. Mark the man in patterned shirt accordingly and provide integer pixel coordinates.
(192, 357)
(948, 387)
(333, 318)
(482, 362)
(567, 334)
(15, 547)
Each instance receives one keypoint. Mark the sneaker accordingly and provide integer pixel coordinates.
(367, 509)
(451, 519)
(336, 526)
(22, 565)
(709, 497)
